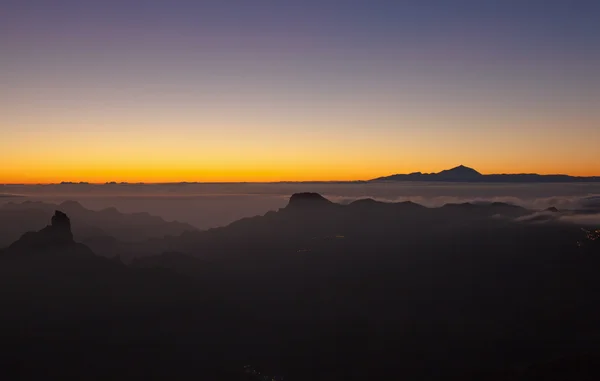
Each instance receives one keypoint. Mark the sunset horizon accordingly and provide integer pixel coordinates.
(323, 190)
(210, 91)
(259, 178)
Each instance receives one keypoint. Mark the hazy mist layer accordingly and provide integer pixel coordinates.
(211, 205)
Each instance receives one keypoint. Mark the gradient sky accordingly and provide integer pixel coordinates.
(296, 90)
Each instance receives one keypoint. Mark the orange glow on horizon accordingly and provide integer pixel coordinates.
(225, 175)
(267, 152)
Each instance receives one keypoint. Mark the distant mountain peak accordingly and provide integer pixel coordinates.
(72, 205)
(307, 199)
(460, 170)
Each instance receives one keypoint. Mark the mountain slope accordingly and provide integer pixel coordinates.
(459, 292)
(394, 288)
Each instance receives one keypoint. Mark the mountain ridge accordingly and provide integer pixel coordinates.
(315, 274)
(463, 173)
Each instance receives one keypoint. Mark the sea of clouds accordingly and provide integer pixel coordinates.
(211, 205)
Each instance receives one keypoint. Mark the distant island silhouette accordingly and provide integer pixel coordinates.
(469, 175)
(460, 173)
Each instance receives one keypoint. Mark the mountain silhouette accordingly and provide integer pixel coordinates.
(390, 288)
(459, 173)
(310, 215)
(71, 313)
(367, 274)
(462, 173)
(95, 227)
(57, 234)
(308, 200)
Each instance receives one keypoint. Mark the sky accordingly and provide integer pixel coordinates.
(155, 91)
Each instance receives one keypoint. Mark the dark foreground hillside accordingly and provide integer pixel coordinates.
(315, 291)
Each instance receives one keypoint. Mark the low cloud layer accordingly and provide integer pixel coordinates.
(211, 205)
(591, 202)
(583, 219)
